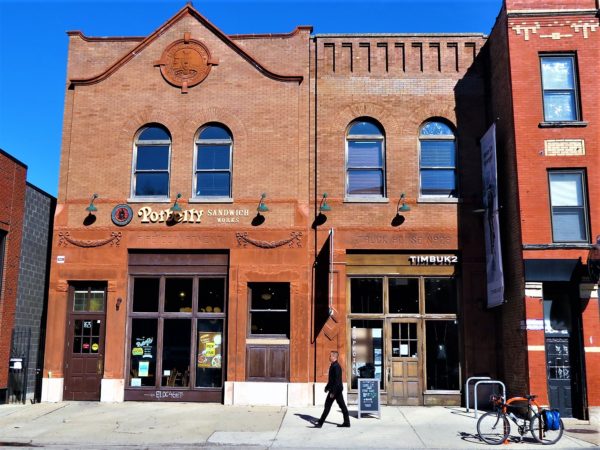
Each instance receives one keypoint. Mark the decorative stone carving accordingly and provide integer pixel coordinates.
(185, 63)
(64, 239)
(295, 240)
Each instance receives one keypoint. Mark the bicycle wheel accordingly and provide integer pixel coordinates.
(545, 436)
(493, 428)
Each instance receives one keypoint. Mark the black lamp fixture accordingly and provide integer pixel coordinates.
(404, 207)
(593, 262)
(324, 207)
(262, 207)
(92, 208)
(176, 207)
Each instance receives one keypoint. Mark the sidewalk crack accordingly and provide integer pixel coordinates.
(413, 428)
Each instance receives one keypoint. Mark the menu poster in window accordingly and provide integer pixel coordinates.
(209, 349)
(143, 368)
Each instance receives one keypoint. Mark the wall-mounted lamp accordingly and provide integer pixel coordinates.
(92, 208)
(262, 207)
(404, 207)
(118, 304)
(324, 207)
(176, 207)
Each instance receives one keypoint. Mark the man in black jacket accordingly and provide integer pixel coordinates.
(334, 391)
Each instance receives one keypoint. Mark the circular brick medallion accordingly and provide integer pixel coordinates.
(185, 63)
(121, 215)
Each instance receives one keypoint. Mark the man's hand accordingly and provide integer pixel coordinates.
(331, 395)
(325, 390)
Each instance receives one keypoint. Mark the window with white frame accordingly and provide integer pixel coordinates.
(365, 159)
(151, 162)
(568, 204)
(214, 157)
(437, 160)
(559, 84)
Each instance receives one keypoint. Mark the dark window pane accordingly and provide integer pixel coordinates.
(142, 351)
(178, 294)
(211, 295)
(366, 350)
(145, 294)
(152, 184)
(438, 154)
(152, 157)
(442, 355)
(213, 184)
(154, 134)
(436, 129)
(438, 182)
(209, 359)
(269, 296)
(365, 182)
(214, 132)
(364, 154)
(213, 157)
(440, 296)
(364, 128)
(559, 106)
(176, 352)
(366, 295)
(404, 295)
(568, 225)
(77, 344)
(269, 308)
(557, 73)
(270, 322)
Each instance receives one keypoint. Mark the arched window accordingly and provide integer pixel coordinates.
(437, 162)
(365, 159)
(151, 162)
(214, 160)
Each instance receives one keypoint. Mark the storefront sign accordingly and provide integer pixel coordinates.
(368, 396)
(143, 346)
(193, 215)
(446, 260)
(209, 349)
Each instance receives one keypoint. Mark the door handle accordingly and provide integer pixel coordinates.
(100, 365)
(389, 373)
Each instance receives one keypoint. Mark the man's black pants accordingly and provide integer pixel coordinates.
(339, 398)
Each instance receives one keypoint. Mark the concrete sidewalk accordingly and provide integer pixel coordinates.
(91, 425)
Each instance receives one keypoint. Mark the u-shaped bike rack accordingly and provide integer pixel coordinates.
(487, 382)
(467, 388)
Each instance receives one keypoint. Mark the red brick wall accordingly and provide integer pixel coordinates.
(12, 204)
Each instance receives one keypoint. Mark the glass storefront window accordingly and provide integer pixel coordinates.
(211, 295)
(366, 350)
(209, 356)
(143, 352)
(269, 309)
(176, 352)
(442, 355)
(88, 301)
(145, 294)
(366, 295)
(440, 296)
(178, 294)
(404, 295)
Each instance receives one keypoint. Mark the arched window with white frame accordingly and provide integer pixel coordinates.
(151, 163)
(213, 163)
(365, 159)
(437, 160)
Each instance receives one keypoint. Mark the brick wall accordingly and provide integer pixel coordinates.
(12, 202)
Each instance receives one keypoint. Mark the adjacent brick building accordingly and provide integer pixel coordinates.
(545, 54)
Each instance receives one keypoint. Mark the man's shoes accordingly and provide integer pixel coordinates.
(344, 425)
(317, 425)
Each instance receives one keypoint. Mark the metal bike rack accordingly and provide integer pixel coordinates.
(488, 382)
(467, 387)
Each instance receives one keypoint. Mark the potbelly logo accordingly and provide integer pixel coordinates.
(185, 63)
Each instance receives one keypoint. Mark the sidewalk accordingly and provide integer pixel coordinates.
(91, 425)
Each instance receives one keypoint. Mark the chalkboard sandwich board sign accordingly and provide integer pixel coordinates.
(368, 397)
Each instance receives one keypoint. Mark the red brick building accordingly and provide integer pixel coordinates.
(12, 204)
(545, 55)
(233, 208)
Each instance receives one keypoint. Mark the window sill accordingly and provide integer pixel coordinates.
(565, 245)
(563, 124)
(210, 200)
(438, 200)
(267, 340)
(149, 200)
(366, 200)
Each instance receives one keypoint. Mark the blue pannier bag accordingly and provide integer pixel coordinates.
(551, 419)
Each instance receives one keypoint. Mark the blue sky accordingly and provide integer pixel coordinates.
(33, 48)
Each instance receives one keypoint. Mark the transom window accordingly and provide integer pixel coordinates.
(151, 162)
(568, 203)
(213, 162)
(559, 84)
(365, 159)
(437, 160)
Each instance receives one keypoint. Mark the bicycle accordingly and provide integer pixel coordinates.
(494, 427)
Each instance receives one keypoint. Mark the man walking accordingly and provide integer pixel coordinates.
(334, 391)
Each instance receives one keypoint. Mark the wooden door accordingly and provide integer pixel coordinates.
(403, 353)
(84, 349)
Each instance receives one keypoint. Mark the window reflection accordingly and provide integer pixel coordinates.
(442, 355)
(366, 350)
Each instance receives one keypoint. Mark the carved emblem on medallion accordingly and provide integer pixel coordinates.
(185, 63)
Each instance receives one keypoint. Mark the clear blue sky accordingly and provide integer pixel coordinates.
(33, 48)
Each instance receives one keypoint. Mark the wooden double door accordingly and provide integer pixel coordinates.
(404, 384)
